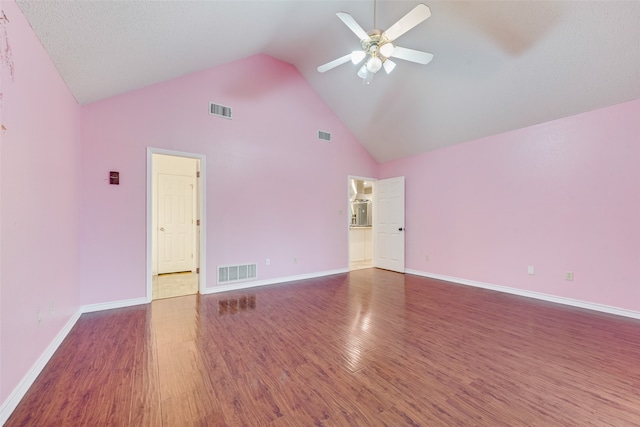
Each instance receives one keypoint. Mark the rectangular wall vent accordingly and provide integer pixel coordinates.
(325, 136)
(219, 110)
(237, 273)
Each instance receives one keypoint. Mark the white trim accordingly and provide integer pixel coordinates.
(246, 285)
(10, 404)
(203, 217)
(530, 294)
(90, 308)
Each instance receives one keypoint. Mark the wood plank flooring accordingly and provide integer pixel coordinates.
(367, 348)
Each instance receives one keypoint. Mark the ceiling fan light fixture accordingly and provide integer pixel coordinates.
(374, 64)
(389, 65)
(378, 46)
(386, 49)
(357, 56)
(363, 72)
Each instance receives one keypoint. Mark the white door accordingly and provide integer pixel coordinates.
(175, 223)
(388, 224)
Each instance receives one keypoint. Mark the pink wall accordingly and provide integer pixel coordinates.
(560, 196)
(40, 203)
(273, 189)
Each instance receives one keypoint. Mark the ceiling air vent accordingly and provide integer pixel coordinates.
(219, 110)
(325, 136)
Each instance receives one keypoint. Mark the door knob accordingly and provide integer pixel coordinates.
(400, 229)
(161, 228)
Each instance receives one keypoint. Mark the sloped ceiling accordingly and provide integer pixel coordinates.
(498, 65)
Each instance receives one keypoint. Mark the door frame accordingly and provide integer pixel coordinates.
(348, 221)
(201, 213)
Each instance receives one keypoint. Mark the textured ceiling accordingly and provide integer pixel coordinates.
(498, 65)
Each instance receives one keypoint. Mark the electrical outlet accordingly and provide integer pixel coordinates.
(295, 259)
(51, 308)
(569, 276)
(268, 261)
(530, 270)
(339, 211)
(426, 257)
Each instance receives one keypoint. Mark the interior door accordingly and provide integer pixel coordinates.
(175, 223)
(388, 219)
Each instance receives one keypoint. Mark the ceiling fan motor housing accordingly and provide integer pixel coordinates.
(374, 43)
(372, 47)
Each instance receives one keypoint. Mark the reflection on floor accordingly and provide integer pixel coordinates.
(361, 264)
(237, 304)
(174, 285)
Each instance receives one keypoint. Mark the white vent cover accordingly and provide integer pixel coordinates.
(325, 136)
(219, 110)
(237, 273)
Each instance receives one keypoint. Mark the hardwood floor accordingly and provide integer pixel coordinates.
(367, 348)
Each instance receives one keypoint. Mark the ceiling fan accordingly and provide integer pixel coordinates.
(378, 47)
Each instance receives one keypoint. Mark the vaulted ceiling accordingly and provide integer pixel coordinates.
(498, 65)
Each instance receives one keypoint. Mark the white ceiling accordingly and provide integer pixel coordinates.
(498, 66)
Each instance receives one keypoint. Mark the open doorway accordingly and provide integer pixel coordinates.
(360, 211)
(174, 224)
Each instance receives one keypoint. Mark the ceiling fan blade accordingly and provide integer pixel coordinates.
(357, 56)
(334, 63)
(412, 55)
(353, 25)
(407, 22)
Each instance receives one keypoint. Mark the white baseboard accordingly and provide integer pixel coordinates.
(530, 294)
(246, 285)
(113, 304)
(10, 404)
